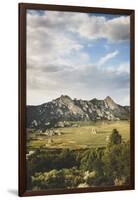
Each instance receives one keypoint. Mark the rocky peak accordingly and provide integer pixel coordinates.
(62, 99)
(108, 98)
(65, 101)
(65, 97)
(111, 104)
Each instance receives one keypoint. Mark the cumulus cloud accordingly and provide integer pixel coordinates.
(117, 29)
(59, 63)
(93, 27)
(51, 35)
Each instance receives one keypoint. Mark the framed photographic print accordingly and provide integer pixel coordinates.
(76, 99)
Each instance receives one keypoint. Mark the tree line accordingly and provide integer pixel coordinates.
(67, 168)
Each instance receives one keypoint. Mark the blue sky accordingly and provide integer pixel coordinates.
(81, 55)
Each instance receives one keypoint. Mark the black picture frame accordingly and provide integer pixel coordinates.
(22, 95)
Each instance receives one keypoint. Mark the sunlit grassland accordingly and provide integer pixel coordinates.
(82, 136)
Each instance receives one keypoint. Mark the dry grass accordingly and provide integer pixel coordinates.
(82, 136)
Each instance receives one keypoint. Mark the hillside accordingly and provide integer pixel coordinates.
(64, 109)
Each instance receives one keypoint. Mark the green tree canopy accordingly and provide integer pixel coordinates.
(115, 137)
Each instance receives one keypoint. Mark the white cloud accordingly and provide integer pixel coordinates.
(89, 26)
(57, 62)
(95, 27)
(86, 83)
(122, 68)
(49, 42)
(107, 57)
(117, 29)
(56, 36)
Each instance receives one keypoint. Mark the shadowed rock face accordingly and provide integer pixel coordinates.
(66, 109)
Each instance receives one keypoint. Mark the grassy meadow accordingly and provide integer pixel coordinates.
(85, 135)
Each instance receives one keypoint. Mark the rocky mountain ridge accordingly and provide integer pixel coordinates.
(66, 109)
